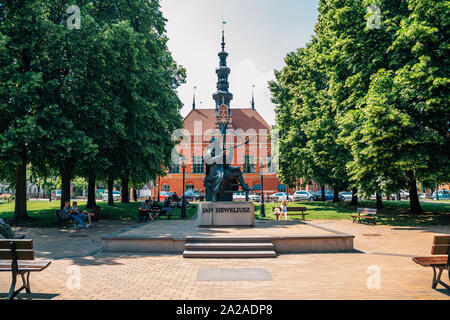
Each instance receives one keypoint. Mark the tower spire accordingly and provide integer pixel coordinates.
(253, 97)
(223, 96)
(223, 35)
(193, 102)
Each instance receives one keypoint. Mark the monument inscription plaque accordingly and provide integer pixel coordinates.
(226, 214)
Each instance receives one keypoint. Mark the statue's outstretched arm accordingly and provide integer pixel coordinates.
(230, 156)
(209, 160)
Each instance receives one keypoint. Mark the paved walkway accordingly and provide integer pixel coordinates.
(182, 229)
(381, 250)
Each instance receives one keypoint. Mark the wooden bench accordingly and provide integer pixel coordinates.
(441, 246)
(366, 214)
(17, 256)
(63, 223)
(298, 211)
(168, 212)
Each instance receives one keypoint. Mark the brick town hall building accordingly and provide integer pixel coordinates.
(247, 124)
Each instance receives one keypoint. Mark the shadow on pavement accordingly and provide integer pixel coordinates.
(30, 296)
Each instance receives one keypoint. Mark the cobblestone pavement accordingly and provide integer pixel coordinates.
(97, 275)
(181, 229)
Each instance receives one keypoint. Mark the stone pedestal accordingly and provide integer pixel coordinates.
(226, 214)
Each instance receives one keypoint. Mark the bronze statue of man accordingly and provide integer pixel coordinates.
(220, 175)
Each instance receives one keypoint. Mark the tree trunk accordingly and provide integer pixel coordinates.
(91, 191)
(66, 175)
(110, 191)
(336, 195)
(20, 206)
(413, 195)
(323, 192)
(135, 197)
(379, 202)
(354, 201)
(125, 190)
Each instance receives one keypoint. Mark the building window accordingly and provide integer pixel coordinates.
(249, 164)
(165, 188)
(199, 164)
(174, 168)
(190, 187)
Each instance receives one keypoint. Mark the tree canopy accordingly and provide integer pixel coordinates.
(98, 101)
(365, 105)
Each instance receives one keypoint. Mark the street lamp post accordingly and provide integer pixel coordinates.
(183, 204)
(262, 212)
(159, 189)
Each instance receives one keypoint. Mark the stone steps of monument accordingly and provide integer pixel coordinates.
(229, 254)
(229, 247)
(212, 246)
(229, 239)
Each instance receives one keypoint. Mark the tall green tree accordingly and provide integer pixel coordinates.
(66, 113)
(146, 89)
(401, 130)
(22, 27)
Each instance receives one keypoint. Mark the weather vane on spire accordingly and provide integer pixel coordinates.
(223, 34)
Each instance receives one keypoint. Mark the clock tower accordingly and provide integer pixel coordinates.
(223, 97)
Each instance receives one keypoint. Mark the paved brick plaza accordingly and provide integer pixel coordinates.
(295, 276)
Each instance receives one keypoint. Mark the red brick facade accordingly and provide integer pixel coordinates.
(248, 124)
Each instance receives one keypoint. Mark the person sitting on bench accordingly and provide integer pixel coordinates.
(144, 212)
(7, 232)
(155, 210)
(175, 201)
(79, 217)
(166, 203)
(64, 214)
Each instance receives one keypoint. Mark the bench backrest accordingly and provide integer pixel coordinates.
(441, 245)
(296, 208)
(24, 249)
(372, 211)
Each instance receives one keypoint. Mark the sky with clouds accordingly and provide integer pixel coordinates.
(259, 34)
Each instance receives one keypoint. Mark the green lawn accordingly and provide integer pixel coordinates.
(394, 213)
(42, 213)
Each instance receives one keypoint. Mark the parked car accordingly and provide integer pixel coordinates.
(194, 195)
(424, 196)
(303, 195)
(56, 194)
(328, 195)
(116, 196)
(163, 195)
(280, 196)
(239, 196)
(345, 196)
(404, 195)
(254, 197)
(442, 195)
